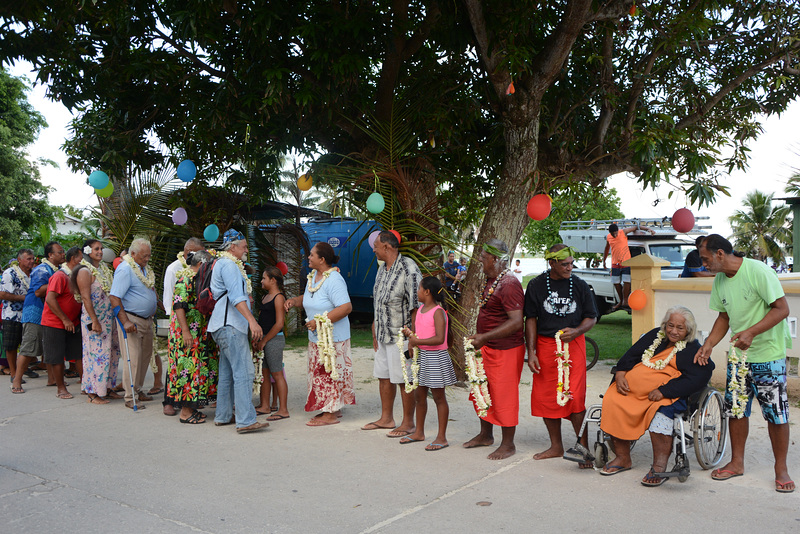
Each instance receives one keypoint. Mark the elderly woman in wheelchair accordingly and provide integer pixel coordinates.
(651, 385)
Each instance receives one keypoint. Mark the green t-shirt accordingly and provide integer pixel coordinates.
(746, 298)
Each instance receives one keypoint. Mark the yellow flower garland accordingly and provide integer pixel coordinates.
(149, 281)
(240, 264)
(23, 278)
(647, 355)
(738, 382)
(476, 375)
(412, 385)
(104, 275)
(327, 351)
(313, 274)
(50, 264)
(258, 377)
(563, 394)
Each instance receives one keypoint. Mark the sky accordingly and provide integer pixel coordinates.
(775, 157)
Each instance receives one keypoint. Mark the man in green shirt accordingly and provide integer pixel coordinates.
(751, 303)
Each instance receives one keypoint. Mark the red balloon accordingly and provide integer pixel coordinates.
(637, 300)
(683, 221)
(116, 262)
(282, 267)
(539, 207)
(396, 234)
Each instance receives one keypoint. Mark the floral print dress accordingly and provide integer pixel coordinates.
(100, 351)
(192, 374)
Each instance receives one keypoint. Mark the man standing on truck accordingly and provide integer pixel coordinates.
(693, 265)
(617, 242)
(751, 302)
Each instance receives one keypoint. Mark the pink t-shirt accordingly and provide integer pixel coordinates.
(426, 327)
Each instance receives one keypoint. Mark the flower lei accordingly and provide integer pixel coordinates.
(240, 264)
(50, 264)
(24, 279)
(660, 364)
(179, 257)
(149, 281)
(738, 382)
(325, 275)
(563, 394)
(258, 377)
(412, 385)
(476, 375)
(66, 270)
(486, 298)
(327, 351)
(102, 275)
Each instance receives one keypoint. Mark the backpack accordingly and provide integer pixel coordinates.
(202, 286)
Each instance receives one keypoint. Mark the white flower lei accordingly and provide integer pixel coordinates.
(327, 351)
(412, 385)
(313, 274)
(563, 394)
(240, 265)
(179, 257)
(102, 275)
(66, 270)
(738, 382)
(258, 377)
(477, 377)
(660, 364)
(50, 264)
(24, 279)
(149, 281)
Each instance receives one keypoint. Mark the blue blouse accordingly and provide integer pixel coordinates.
(332, 294)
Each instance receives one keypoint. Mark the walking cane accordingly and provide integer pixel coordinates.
(128, 352)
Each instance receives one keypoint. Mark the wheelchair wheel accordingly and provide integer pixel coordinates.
(600, 455)
(710, 429)
(592, 352)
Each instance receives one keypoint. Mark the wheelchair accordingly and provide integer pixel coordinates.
(702, 426)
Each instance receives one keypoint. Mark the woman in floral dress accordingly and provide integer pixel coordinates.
(192, 354)
(91, 279)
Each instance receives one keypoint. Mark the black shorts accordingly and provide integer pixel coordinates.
(60, 345)
(12, 335)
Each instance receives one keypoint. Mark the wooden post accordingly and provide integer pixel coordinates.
(645, 270)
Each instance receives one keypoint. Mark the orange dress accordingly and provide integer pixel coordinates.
(628, 416)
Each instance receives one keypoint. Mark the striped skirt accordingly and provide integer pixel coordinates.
(436, 369)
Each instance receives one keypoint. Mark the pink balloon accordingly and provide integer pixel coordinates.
(683, 221)
(179, 216)
(372, 237)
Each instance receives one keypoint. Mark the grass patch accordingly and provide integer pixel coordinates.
(613, 335)
(359, 337)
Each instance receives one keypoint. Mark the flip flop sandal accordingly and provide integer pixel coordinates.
(651, 480)
(432, 447)
(406, 440)
(780, 487)
(619, 469)
(277, 417)
(193, 419)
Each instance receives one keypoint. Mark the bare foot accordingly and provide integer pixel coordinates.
(502, 452)
(552, 452)
(479, 441)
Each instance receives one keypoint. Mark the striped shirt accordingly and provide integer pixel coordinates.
(395, 296)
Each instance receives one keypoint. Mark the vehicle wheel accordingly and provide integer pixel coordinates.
(600, 455)
(710, 429)
(592, 352)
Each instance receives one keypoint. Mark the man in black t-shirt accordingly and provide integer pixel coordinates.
(693, 265)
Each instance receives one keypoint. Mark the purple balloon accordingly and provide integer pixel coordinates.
(372, 237)
(179, 216)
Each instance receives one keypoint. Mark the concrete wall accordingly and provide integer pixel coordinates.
(695, 294)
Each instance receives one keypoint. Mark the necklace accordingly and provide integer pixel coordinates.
(313, 274)
(327, 350)
(149, 281)
(410, 385)
(738, 382)
(647, 355)
(557, 312)
(489, 294)
(66, 269)
(102, 275)
(479, 384)
(50, 264)
(180, 258)
(240, 265)
(563, 394)
(24, 279)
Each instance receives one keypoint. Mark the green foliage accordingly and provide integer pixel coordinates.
(761, 230)
(572, 202)
(23, 198)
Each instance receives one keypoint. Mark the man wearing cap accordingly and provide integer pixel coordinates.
(558, 304)
(617, 243)
(500, 339)
(228, 326)
(133, 291)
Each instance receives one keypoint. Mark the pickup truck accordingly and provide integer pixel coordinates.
(590, 237)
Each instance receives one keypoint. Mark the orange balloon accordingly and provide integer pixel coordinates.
(637, 300)
(396, 234)
(116, 262)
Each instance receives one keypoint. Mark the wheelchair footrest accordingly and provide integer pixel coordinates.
(676, 472)
(578, 453)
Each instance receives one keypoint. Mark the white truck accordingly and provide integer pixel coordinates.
(590, 237)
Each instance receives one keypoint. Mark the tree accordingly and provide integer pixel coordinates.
(761, 230)
(574, 202)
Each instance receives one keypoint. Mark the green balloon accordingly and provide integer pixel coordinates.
(106, 191)
(375, 203)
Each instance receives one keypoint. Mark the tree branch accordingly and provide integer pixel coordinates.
(194, 59)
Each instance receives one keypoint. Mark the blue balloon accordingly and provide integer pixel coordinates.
(211, 233)
(187, 170)
(98, 179)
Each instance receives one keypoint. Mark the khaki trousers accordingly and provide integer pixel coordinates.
(140, 344)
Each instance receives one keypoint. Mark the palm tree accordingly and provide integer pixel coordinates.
(761, 230)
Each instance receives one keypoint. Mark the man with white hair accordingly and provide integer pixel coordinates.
(133, 290)
(228, 326)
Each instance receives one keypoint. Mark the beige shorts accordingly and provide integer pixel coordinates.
(388, 361)
(31, 345)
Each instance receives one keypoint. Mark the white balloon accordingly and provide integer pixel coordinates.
(108, 255)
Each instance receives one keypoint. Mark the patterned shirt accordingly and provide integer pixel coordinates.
(395, 296)
(33, 306)
(12, 283)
